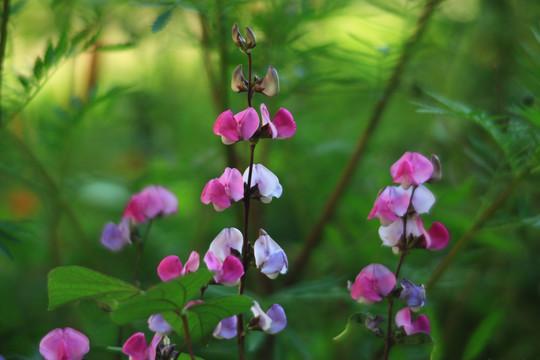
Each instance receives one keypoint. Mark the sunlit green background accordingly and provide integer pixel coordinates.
(137, 105)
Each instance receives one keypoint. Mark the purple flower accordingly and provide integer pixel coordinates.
(372, 283)
(412, 295)
(269, 256)
(233, 128)
(411, 168)
(420, 324)
(271, 322)
(283, 125)
(221, 191)
(64, 344)
(390, 205)
(137, 348)
(116, 237)
(226, 328)
(267, 183)
(171, 267)
(159, 325)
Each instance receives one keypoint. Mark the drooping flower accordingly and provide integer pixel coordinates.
(152, 201)
(269, 256)
(420, 324)
(271, 322)
(411, 168)
(221, 257)
(137, 348)
(391, 203)
(64, 344)
(372, 283)
(229, 187)
(226, 328)
(267, 183)
(283, 125)
(171, 267)
(233, 128)
(412, 295)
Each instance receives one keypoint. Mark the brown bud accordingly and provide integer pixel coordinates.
(238, 38)
(269, 85)
(251, 40)
(238, 82)
(437, 170)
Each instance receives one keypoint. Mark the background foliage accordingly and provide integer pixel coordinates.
(100, 98)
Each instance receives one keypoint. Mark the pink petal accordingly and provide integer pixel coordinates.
(363, 290)
(152, 349)
(49, 345)
(214, 192)
(248, 123)
(135, 208)
(421, 324)
(169, 202)
(226, 126)
(232, 271)
(383, 279)
(60, 344)
(390, 205)
(266, 121)
(192, 264)
(234, 183)
(76, 343)
(170, 268)
(284, 123)
(136, 347)
(411, 168)
(438, 237)
(212, 263)
(403, 318)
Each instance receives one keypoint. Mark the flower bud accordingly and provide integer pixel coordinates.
(251, 40)
(437, 169)
(414, 296)
(238, 38)
(239, 83)
(269, 85)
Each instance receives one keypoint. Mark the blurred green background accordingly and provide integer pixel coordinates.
(124, 94)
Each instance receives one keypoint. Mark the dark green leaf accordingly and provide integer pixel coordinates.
(166, 296)
(116, 47)
(203, 318)
(25, 82)
(6, 235)
(15, 8)
(61, 46)
(416, 339)
(162, 20)
(4, 249)
(72, 283)
(185, 356)
(38, 68)
(50, 56)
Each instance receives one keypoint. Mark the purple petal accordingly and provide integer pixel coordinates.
(264, 320)
(115, 237)
(422, 200)
(279, 319)
(227, 239)
(212, 263)
(226, 328)
(158, 324)
(266, 121)
(192, 264)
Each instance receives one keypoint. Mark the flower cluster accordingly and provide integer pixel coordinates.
(398, 209)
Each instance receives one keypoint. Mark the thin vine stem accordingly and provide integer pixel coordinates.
(188, 339)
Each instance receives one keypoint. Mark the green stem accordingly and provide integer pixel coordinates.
(3, 41)
(329, 209)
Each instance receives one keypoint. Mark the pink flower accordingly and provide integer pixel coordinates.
(267, 183)
(269, 256)
(221, 258)
(171, 267)
(271, 322)
(411, 168)
(391, 203)
(233, 128)
(221, 192)
(403, 319)
(435, 238)
(283, 125)
(372, 283)
(152, 201)
(137, 349)
(226, 328)
(64, 344)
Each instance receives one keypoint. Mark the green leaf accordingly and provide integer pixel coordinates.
(166, 296)
(25, 82)
(50, 56)
(152, 3)
(62, 45)
(38, 68)
(70, 283)
(202, 318)
(416, 339)
(355, 320)
(482, 335)
(162, 20)
(184, 356)
(4, 249)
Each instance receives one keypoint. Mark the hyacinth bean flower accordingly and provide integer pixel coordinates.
(233, 128)
(64, 344)
(283, 125)
(267, 183)
(159, 325)
(372, 283)
(271, 322)
(137, 348)
(171, 267)
(420, 324)
(221, 258)
(222, 191)
(411, 168)
(435, 238)
(412, 295)
(391, 203)
(226, 328)
(269, 256)
(151, 202)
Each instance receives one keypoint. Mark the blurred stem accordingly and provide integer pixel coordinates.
(479, 223)
(392, 84)
(138, 255)
(188, 339)
(3, 40)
